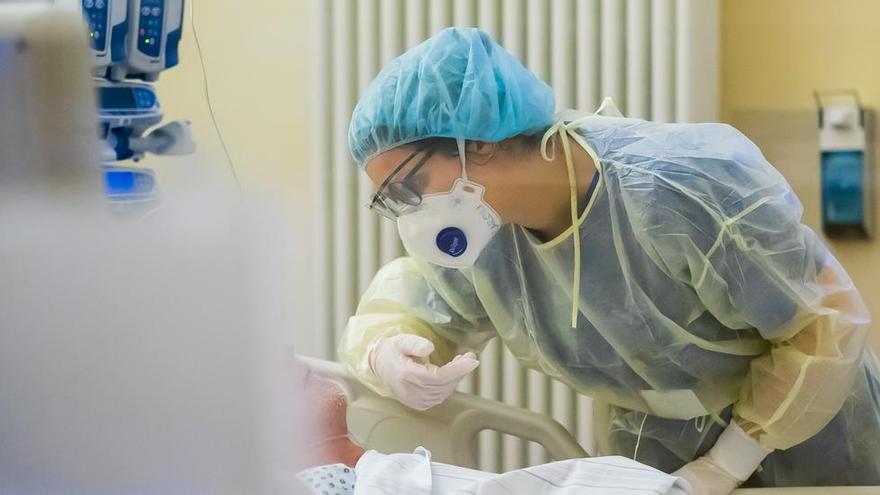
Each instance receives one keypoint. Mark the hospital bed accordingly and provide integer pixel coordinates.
(450, 430)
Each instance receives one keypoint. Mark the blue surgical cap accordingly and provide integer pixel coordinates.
(459, 83)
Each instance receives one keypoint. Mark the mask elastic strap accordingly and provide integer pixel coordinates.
(461, 156)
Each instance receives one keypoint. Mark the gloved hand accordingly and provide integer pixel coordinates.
(729, 462)
(706, 478)
(401, 363)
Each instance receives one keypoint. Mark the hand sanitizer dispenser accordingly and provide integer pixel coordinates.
(845, 165)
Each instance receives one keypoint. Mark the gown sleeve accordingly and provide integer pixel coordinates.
(412, 297)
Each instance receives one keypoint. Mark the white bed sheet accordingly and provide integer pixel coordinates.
(380, 474)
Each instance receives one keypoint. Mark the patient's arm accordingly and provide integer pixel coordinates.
(330, 443)
(336, 451)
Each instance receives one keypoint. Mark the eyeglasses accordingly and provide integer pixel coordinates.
(395, 197)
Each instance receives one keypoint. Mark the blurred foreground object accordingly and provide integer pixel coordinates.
(138, 354)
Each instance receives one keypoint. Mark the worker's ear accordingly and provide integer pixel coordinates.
(480, 152)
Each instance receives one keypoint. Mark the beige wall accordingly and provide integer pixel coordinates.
(774, 54)
(259, 61)
(259, 65)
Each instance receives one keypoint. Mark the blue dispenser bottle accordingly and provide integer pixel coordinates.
(845, 172)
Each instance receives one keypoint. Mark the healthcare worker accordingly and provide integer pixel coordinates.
(659, 268)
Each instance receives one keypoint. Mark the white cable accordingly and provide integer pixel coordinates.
(192, 19)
